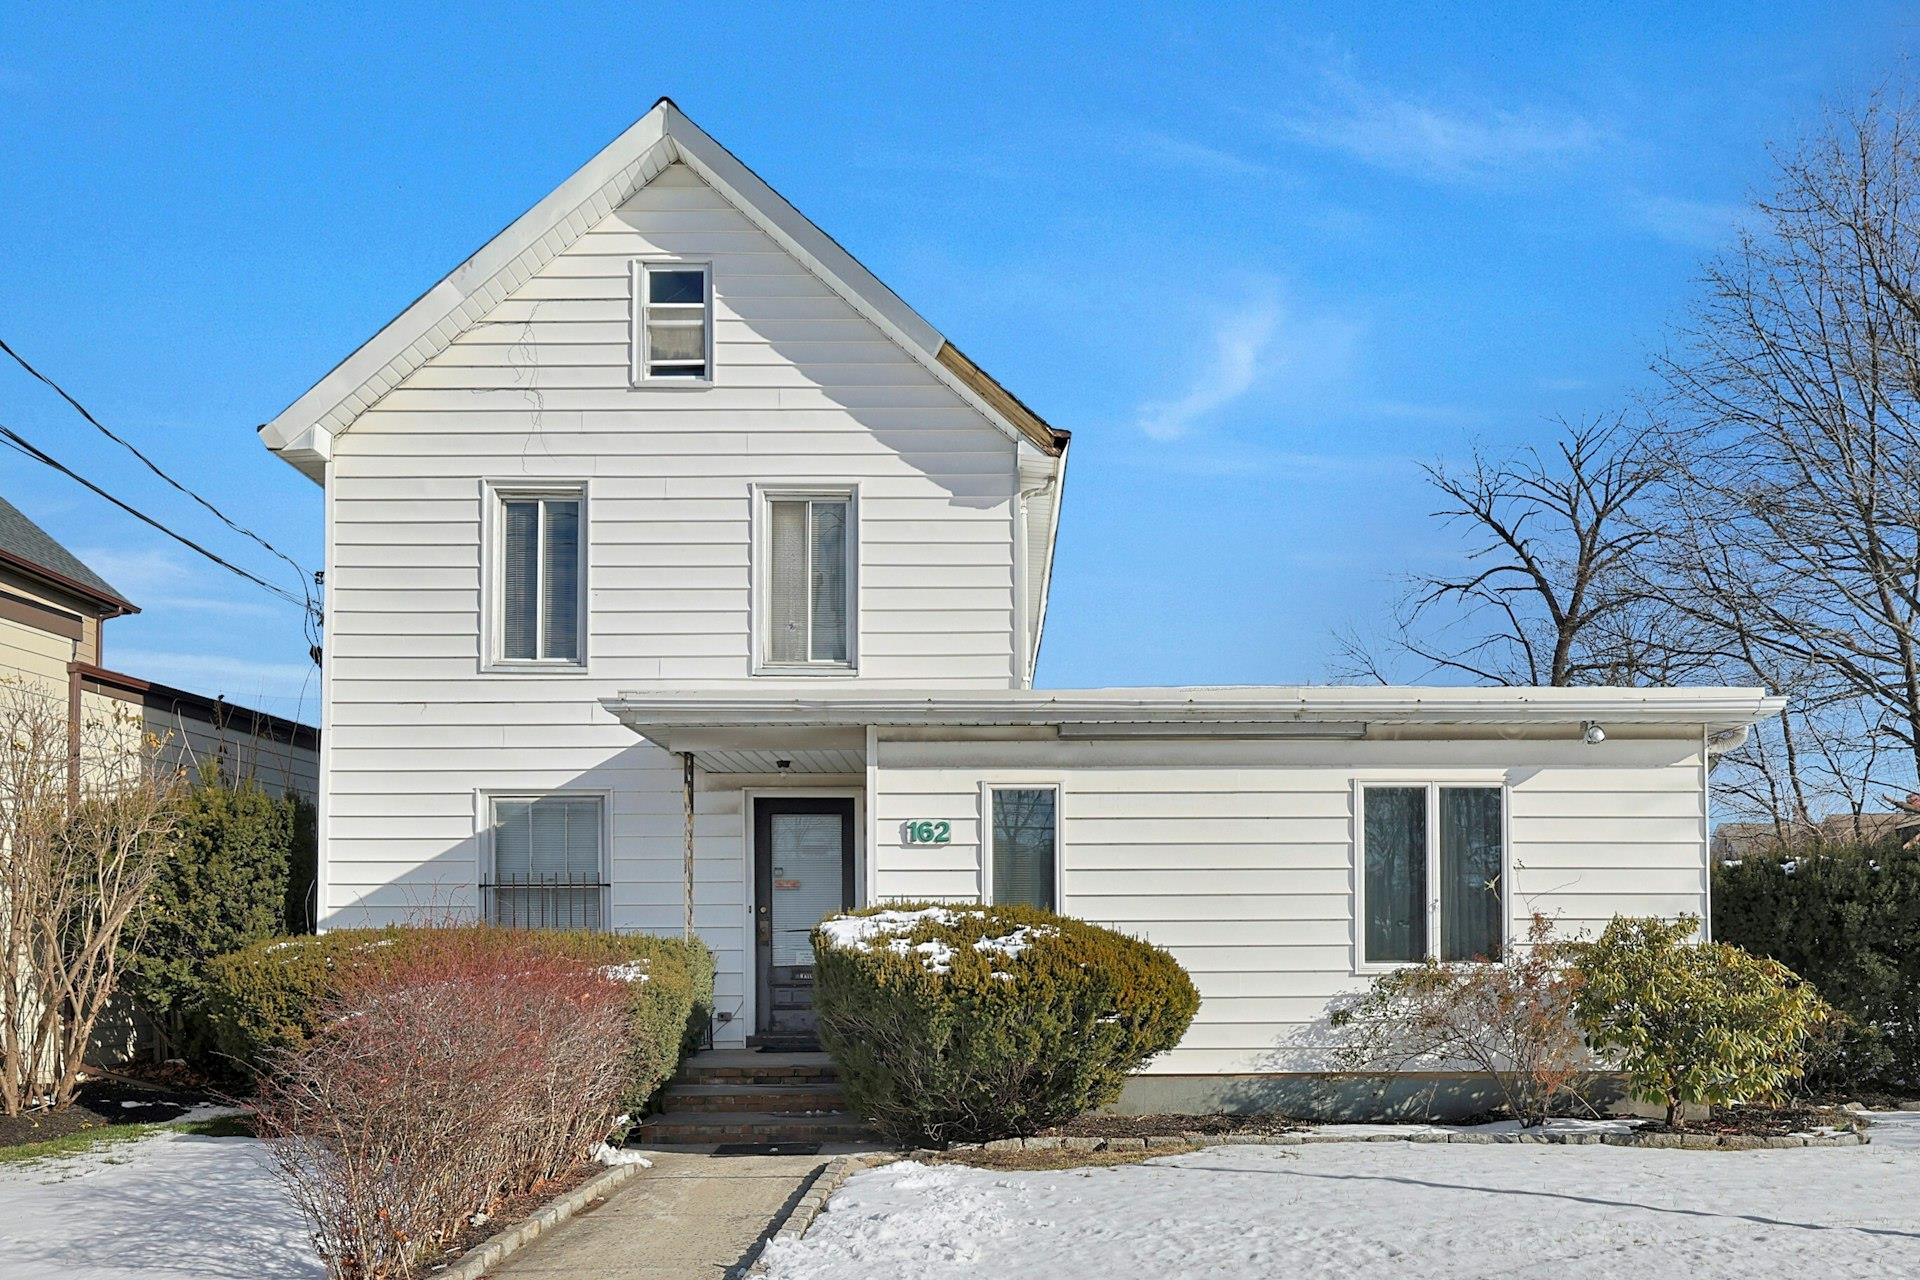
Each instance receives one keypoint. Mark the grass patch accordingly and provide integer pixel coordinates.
(1046, 1159)
(85, 1141)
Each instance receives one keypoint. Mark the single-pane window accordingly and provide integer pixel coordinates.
(546, 863)
(1472, 895)
(675, 322)
(1024, 845)
(1395, 839)
(540, 559)
(808, 584)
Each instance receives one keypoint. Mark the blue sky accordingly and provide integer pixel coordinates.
(1260, 261)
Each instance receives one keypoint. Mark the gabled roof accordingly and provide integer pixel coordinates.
(302, 432)
(28, 547)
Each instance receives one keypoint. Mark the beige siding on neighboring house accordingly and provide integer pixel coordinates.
(1239, 856)
(806, 392)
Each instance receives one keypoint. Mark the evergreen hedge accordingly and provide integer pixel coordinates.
(967, 1023)
(237, 877)
(1846, 918)
(265, 997)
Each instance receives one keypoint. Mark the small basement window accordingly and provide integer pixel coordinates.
(807, 582)
(547, 869)
(673, 322)
(1433, 873)
(539, 581)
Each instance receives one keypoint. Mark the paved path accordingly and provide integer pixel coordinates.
(690, 1217)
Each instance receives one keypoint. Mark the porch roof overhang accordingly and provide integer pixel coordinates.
(702, 719)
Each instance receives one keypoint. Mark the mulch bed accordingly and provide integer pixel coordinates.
(511, 1211)
(98, 1104)
(1762, 1122)
(1101, 1126)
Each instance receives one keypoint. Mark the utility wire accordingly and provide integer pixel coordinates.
(13, 438)
(154, 467)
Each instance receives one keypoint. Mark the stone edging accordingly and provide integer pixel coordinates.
(809, 1205)
(491, 1252)
(1182, 1141)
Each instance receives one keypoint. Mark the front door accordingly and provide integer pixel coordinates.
(802, 872)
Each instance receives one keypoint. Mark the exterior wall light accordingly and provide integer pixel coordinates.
(1592, 734)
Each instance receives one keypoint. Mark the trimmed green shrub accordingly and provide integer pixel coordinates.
(1693, 1022)
(227, 885)
(1847, 918)
(968, 1023)
(265, 998)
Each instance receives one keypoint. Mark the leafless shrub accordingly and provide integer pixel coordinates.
(1512, 1022)
(473, 1069)
(88, 813)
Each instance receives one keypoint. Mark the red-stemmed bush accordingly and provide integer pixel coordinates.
(471, 1068)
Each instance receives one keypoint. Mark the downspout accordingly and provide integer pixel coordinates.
(686, 797)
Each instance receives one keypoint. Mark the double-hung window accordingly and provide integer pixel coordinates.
(548, 867)
(1432, 873)
(672, 322)
(539, 582)
(1024, 829)
(807, 586)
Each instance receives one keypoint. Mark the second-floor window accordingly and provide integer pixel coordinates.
(807, 581)
(540, 580)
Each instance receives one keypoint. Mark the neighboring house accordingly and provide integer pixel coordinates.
(1735, 840)
(682, 576)
(52, 611)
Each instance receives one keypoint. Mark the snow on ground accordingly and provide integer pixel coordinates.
(1387, 1209)
(172, 1205)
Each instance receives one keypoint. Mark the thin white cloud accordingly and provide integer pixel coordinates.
(1697, 224)
(1238, 345)
(1446, 142)
(1200, 155)
(156, 579)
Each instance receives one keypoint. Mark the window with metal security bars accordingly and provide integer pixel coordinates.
(548, 869)
(1432, 873)
(540, 578)
(807, 584)
(673, 322)
(1025, 856)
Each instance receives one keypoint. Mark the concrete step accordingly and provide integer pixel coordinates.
(689, 1127)
(736, 1096)
(748, 1066)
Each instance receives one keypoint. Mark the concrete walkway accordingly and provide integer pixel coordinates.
(690, 1217)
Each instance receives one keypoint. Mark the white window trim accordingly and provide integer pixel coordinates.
(761, 550)
(493, 493)
(484, 801)
(987, 788)
(1432, 786)
(637, 323)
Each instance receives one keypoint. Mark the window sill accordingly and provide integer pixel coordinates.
(511, 668)
(806, 669)
(672, 384)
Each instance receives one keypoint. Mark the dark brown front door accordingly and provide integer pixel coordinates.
(802, 871)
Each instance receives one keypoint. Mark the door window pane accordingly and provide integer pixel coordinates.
(808, 885)
(1395, 838)
(1472, 895)
(1024, 822)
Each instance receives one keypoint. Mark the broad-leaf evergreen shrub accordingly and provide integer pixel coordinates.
(1693, 1022)
(1847, 918)
(967, 1023)
(243, 854)
(267, 998)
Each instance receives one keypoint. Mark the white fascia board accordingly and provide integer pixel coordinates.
(1236, 706)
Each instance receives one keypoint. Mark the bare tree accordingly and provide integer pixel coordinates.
(86, 816)
(1791, 512)
(1550, 592)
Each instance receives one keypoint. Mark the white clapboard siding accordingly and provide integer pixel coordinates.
(806, 391)
(1239, 857)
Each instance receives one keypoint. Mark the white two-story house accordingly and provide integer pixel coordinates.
(681, 576)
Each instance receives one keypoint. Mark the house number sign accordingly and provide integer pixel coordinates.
(926, 831)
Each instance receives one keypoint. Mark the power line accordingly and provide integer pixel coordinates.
(13, 438)
(154, 467)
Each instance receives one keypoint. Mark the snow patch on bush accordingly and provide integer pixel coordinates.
(888, 930)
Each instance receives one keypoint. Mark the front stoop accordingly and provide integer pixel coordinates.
(734, 1095)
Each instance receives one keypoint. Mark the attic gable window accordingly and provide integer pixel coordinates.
(673, 323)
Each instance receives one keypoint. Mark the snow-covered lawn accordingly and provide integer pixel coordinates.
(172, 1205)
(1388, 1210)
